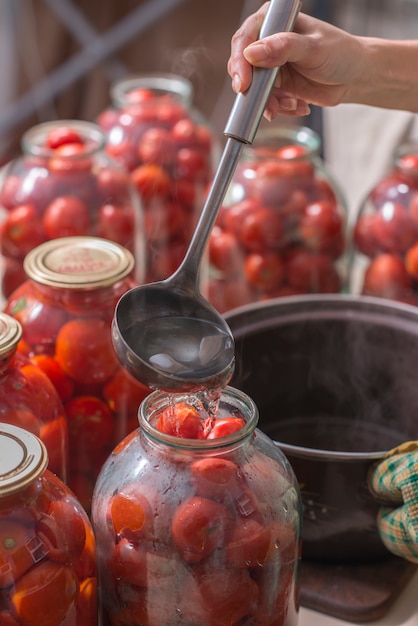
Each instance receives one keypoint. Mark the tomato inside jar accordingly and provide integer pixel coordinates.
(197, 518)
(281, 230)
(47, 546)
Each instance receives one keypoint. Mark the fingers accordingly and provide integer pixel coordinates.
(282, 103)
(239, 68)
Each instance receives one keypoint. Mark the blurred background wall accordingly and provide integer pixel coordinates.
(59, 58)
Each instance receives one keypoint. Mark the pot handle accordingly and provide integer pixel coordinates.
(395, 479)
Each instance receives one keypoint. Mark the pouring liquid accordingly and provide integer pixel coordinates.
(195, 345)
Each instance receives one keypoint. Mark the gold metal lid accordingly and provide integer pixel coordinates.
(10, 333)
(23, 457)
(78, 263)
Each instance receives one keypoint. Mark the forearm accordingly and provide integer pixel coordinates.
(390, 74)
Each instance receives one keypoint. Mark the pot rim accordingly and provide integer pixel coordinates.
(279, 311)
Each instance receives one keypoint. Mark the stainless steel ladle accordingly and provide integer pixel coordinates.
(166, 334)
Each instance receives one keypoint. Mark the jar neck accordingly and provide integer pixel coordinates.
(177, 87)
(34, 140)
(232, 402)
(268, 143)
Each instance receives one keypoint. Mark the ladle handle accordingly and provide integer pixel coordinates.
(249, 106)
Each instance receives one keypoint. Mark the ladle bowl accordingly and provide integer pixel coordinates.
(202, 349)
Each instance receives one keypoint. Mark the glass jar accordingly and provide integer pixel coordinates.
(282, 227)
(47, 547)
(197, 530)
(66, 308)
(384, 260)
(64, 184)
(153, 130)
(29, 400)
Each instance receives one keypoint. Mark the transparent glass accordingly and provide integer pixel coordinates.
(47, 551)
(65, 308)
(65, 184)
(384, 258)
(29, 400)
(282, 227)
(154, 131)
(197, 531)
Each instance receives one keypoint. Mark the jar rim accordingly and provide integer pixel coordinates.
(155, 81)
(302, 136)
(10, 334)
(250, 414)
(33, 140)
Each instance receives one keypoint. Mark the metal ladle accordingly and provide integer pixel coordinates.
(166, 334)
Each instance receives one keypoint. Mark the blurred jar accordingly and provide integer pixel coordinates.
(29, 400)
(282, 227)
(384, 261)
(197, 525)
(63, 185)
(66, 308)
(154, 131)
(47, 548)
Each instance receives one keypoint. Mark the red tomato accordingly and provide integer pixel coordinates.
(87, 602)
(185, 132)
(90, 422)
(10, 191)
(13, 276)
(364, 237)
(131, 515)
(248, 544)
(411, 261)
(6, 619)
(129, 563)
(181, 420)
(214, 477)
(69, 158)
(199, 526)
(387, 277)
(54, 434)
(394, 229)
(62, 383)
(117, 223)
(225, 426)
(225, 253)
(45, 594)
(124, 394)
(221, 597)
(292, 151)
(233, 217)
(157, 146)
(261, 230)
(66, 216)
(85, 351)
(151, 181)
(225, 294)
(21, 231)
(113, 184)
(264, 270)
(139, 95)
(312, 272)
(61, 135)
(40, 324)
(320, 226)
(62, 531)
(191, 163)
(408, 163)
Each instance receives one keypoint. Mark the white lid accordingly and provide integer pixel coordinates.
(23, 457)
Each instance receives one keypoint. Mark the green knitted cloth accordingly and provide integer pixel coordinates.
(395, 479)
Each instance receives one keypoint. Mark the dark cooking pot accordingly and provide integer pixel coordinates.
(335, 379)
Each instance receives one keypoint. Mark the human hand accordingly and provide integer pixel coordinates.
(319, 63)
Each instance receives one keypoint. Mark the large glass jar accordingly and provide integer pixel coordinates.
(47, 547)
(29, 400)
(64, 184)
(197, 526)
(384, 261)
(282, 227)
(66, 308)
(154, 131)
